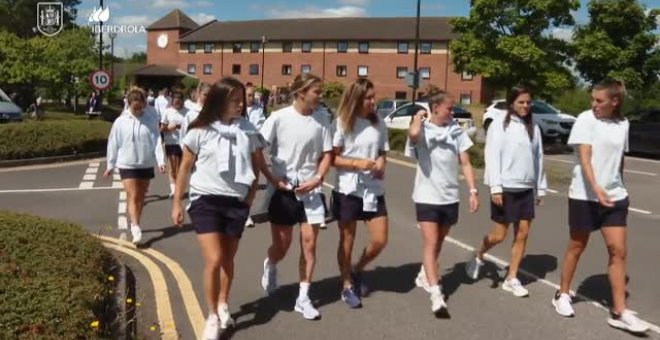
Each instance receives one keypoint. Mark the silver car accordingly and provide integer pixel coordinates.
(9, 112)
(387, 106)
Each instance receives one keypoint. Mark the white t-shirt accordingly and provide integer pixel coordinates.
(206, 179)
(172, 116)
(255, 114)
(366, 141)
(436, 181)
(608, 140)
(297, 142)
(161, 103)
(192, 115)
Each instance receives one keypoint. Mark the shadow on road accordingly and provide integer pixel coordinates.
(539, 265)
(165, 234)
(155, 198)
(597, 288)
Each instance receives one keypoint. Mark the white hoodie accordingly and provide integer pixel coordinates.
(135, 142)
(513, 161)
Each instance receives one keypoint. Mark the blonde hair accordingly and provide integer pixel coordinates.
(136, 94)
(302, 83)
(351, 104)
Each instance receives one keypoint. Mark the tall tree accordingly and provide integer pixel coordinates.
(20, 16)
(619, 42)
(509, 42)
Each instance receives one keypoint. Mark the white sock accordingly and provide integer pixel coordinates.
(435, 289)
(304, 289)
(172, 188)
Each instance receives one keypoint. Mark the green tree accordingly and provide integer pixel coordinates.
(139, 57)
(619, 42)
(20, 16)
(508, 42)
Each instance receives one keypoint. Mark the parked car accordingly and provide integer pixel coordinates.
(9, 112)
(387, 106)
(555, 125)
(400, 119)
(644, 134)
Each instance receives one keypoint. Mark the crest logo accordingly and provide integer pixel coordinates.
(49, 18)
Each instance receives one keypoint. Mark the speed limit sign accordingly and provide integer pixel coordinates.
(100, 80)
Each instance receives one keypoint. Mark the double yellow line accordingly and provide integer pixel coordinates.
(162, 296)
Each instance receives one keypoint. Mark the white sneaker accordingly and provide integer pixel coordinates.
(137, 234)
(211, 331)
(249, 223)
(438, 304)
(304, 306)
(269, 278)
(421, 281)
(515, 287)
(226, 320)
(473, 268)
(628, 321)
(563, 305)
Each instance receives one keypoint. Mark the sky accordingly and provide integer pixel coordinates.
(125, 12)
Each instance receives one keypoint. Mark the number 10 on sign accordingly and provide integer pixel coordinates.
(100, 80)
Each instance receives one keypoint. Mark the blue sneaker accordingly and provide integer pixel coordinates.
(349, 296)
(359, 286)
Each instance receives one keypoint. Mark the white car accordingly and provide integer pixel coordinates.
(400, 118)
(554, 124)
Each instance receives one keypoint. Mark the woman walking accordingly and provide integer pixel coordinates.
(170, 125)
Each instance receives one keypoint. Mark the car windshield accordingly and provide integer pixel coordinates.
(543, 108)
(4, 98)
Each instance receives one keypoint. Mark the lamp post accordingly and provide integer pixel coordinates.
(415, 70)
(112, 36)
(263, 59)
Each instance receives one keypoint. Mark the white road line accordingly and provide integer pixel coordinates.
(116, 177)
(552, 191)
(122, 222)
(86, 185)
(94, 164)
(122, 196)
(625, 170)
(89, 177)
(117, 185)
(329, 186)
(122, 208)
(18, 191)
(91, 170)
(645, 212)
(643, 160)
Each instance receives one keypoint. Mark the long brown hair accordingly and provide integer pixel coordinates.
(351, 104)
(217, 102)
(511, 97)
(302, 83)
(615, 89)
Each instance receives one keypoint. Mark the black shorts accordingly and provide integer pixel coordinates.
(347, 208)
(518, 206)
(591, 216)
(144, 174)
(442, 214)
(286, 210)
(219, 214)
(173, 150)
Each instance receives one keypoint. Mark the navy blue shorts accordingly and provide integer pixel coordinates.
(442, 214)
(173, 150)
(219, 214)
(348, 208)
(591, 216)
(143, 174)
(518, 206)
(286, 210)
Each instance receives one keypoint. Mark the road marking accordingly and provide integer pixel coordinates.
(503, 263)
(552, 191)
(122, 196)
(116, 177)
(91, 170)
(122, 208)
(559, 160)
(45, 166)
(645, 212)
(89, 177)
(643, 160)
(95, 164)
(17, 191)
(403, 163)
(122, 222)
(625, 170)
(163, 303)
(86, 185)
(117, 185)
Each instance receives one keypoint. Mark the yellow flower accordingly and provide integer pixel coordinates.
(111, 278)
(129, 300)
(137, 304)
(94, 324)
(153, 328)
(110, 291)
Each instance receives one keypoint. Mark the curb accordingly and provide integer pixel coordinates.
(125, 290)
(48, 160)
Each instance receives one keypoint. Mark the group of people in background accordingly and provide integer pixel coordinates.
(216, 146)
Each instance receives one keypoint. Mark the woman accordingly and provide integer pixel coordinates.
(202, 93)
(440, 146)
(598, 200)
(360, 145)
(222, 146)
(514, 172)
(170, 124)
(301, 154)
(135, 147)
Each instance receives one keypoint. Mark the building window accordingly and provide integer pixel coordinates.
(466, 75)
(192, 48)
(403, 48)
(305, 68)
(342, 47)
(466, 99)
(236, 69)
(425, 48)
(363, 47)
(425, 72)
(363, 71)
(400, 95)
(208, 48)
(342, 71)
(401, 72)
(255, 47)
(287, 47)
(254, 69)
(287, 70)
(237, 47)
(208, 69)
(192, 69)
(306, 46)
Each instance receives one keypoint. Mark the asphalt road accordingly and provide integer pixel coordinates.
(397, 309)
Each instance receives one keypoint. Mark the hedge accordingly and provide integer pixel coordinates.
(31, 139)
(56, 281)
(398, 143)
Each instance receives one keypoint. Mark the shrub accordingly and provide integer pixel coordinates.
(54, 281)
(31, 139)
(333, 89)
(398, 139)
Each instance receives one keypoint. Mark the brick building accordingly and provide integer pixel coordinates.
(336, 49)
